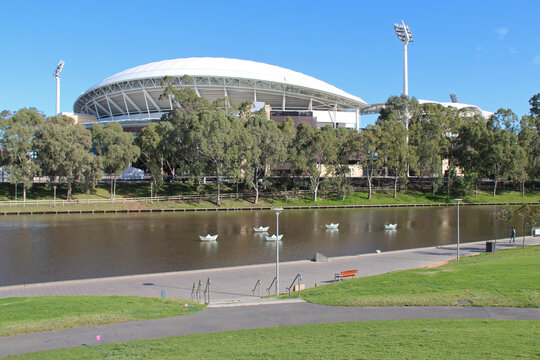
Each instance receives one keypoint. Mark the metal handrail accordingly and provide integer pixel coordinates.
(198, 292)
(257, 285)
(270, 287)
(192, 291)
(207, 292)
(299, 277)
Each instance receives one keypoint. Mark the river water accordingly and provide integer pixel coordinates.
(42, 248)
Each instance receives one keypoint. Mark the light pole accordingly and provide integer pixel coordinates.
(277, 210)
(404, 35)
(56, 75)
(458, 200)
(54, 196)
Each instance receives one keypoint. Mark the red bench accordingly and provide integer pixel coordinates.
(344, 274)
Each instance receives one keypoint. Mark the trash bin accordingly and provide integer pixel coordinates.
(490, 246)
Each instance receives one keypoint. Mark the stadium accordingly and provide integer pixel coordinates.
(132, 97)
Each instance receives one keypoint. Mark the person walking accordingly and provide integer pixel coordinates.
(512, 235)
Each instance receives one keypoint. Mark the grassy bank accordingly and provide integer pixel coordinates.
(399, 339)
(38, 192)
(506, 278)
(45, 313)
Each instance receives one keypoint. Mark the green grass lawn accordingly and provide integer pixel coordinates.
(397, 339)
(506, 278)
(43, 313)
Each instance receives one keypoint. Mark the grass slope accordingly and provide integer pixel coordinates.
(506, 278)
(398, 339)
(44, 313)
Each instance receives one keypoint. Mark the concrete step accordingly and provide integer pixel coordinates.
(253, 301)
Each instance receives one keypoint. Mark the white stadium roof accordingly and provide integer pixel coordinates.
(475, 109)
(135, 92)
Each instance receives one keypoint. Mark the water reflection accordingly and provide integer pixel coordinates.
(58, 247)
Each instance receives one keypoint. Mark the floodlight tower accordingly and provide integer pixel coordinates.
(56, 75)
(404, 35)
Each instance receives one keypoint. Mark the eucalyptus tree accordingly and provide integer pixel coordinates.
(313, 149)
(217, 138)
(534, 101)
(473, 148)
(154, 142)
(63, 150)
(17, 136)
(265, 148)
(504, 157)
(347, 151)
(116, 149)
(370, 141)
(394, 151)
(429, 139)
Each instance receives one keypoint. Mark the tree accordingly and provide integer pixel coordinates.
(535, 106)
(348, 148)
(265, 148)
(217, 138)
(17, 136)
(369, 152)
(394, 150)
(504, 157)
(529, 140)
(155, 146)
(63, 151)
(116, 149)
(313, 149)
(473, 145)
(428, 141)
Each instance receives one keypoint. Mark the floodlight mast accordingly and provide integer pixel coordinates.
(56, 75)
(404, 35)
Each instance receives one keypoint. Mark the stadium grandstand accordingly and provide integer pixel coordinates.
(132, 97)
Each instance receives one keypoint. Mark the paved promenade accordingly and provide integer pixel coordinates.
(231, 293)
(245, 317)
(237, 283)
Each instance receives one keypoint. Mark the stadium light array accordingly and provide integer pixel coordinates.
(56, 75)
(404, 35)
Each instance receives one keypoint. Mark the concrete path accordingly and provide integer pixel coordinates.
(245, 317)
(237, 283)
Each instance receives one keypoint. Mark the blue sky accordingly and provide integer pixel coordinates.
(487, 52)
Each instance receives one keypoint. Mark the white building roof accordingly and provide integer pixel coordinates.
(459, 106)
(223, 67)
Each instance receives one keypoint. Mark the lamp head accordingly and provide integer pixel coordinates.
(403, 32)
(58, 70)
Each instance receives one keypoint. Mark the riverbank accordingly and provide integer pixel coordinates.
(174, 204)
(234, 284)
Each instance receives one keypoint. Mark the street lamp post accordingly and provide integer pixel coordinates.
(458, 200)
(277, 210)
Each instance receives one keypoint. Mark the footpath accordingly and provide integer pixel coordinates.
(237, 283)
(231, 306)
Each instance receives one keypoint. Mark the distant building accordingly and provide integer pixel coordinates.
(132, 97)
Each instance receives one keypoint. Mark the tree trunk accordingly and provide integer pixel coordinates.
(68, 190)
(495, 187)
(114, 189)
(24, 192)
(218, 189)
(256, 187)
(476, 191)
(395, 187)
(111, 191)
(370, 177)
(523, 188)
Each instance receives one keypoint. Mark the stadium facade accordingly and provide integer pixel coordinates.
(133, 97)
